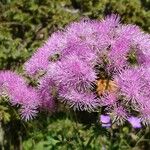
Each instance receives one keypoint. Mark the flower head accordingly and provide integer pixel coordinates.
(135, 122)
(73, 73)
(86, 101)
(52, 50)
(87, 65)
(47, 91)
(14, 86)
(119, 114)
(105, 119)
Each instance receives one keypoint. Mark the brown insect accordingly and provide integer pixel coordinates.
(105, 85)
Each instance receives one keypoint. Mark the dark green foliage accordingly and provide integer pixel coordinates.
(65, 132)
(131, 12)
(24, 25)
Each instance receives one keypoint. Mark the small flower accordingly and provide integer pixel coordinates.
(119, 114)
(40, 60)
(85, 101)
(83, 51)
(47, 92)
(19, 93)
(130, 83)
(73, 73)
(135, 122)
(105, 119)
(145, 113)
(111, 21)
(109, 99)
(118, 54)
(28, 112)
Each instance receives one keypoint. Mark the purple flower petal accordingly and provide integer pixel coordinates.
(135, 122)
(106, 125)
(105, 119)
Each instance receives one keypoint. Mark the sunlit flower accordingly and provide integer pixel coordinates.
(15, 87)
(88, 65)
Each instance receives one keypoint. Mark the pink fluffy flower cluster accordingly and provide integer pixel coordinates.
(90, 65)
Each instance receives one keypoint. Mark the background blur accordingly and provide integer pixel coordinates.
(24, 25)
